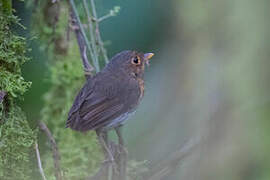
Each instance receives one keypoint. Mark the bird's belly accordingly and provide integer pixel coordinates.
(119, 120)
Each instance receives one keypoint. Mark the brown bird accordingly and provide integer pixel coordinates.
(111, 96)
(108, 98)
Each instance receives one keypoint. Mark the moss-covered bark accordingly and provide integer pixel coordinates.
(16, 137)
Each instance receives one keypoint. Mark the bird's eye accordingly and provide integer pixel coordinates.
(136, 60)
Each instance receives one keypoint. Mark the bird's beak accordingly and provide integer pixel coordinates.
(148, 56)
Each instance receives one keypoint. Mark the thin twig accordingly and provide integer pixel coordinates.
(87, 66)
(74, 10)
(39, 162)
(82, 47)
(105, 17)
(99, 40)
(121, 156)
(91, 29)
(56, 155)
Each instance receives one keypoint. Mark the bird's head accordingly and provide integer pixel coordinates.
(130, 62)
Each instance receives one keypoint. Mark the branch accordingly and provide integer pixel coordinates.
(113, 12)
(168, 165)
(91, 29)
(105, 17)
(82, 47)
(78, 22)
(39, 162)
(99, 40)
(120, 156)
(56, 155)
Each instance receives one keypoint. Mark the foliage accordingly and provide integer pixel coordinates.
(16, 137)
(16, 144)
(12, 57)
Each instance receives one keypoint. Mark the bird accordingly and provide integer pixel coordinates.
(110, 97)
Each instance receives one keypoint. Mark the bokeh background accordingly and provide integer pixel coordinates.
(209, 78)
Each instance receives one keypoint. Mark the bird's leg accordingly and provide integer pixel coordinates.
(122, 161)
(103, 140)
(105, 168)
(121, 142)
(118, 131)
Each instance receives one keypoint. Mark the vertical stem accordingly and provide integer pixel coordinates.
(94, 59)
(56, 155)
(99, 40)
(91, 29)
(39, 162)
(122, 157)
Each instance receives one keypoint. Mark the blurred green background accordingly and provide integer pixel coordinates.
(209, 77)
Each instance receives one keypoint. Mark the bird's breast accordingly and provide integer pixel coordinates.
(141, 86)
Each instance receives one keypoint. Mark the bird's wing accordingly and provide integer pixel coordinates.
(81, 96)
(99, 104)
(95, 112)
(93, 109)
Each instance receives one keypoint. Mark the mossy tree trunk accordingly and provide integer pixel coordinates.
(16, 136)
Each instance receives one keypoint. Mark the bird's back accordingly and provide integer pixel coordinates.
(105, 101)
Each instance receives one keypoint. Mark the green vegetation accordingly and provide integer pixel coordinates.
(16, 137)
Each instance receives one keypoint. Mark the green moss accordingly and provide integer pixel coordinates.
(12, 57)
(16, 137)
(16, 143)
(12, 83)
